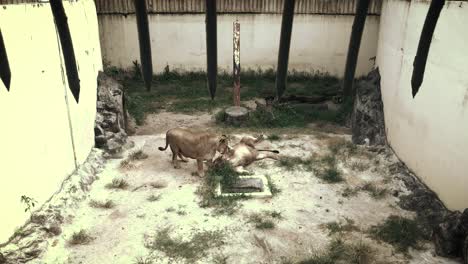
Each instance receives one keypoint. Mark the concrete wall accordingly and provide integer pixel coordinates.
(39, 117)
(430, 132)
(319, 42)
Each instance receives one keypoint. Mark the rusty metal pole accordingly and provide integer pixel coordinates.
(211, 46)
(419, 65)
(354, 45)
(285, 42)
(236, 61)
(61, 22)
(5, 73)
(144, 40)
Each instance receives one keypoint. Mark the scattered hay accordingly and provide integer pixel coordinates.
(143, 260)
(261, 222)
(158, 184)
(137, 155)
(374, 191)
(127, 164)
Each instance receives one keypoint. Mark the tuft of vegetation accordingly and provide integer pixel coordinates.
(261, 221)
(158, 184)
(80, 238)
(398, 231)
(374, 191)
(348, 192)
(103, 205)
(118, 184)
(226, 175)
(331, 175)
(126, 164)
(291, 163)
(274, 137)
(143, 260)
(274, 189)
(359, 166)
(191, 250)
(28, 202)
(138, 155)
(336, 227)
(154, 198)
(340, 252)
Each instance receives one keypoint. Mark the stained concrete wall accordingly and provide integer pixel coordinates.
(39, 117)
(430, 132)
(319, 42)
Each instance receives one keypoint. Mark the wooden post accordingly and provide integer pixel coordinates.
(66, 43)
(419, 65)
(236, 62)
(354, 45)
(5, 73)
(211, 46)
(144, 40)
(285, 42)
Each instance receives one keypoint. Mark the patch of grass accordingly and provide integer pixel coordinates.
(158, 184)
(274, 137)
(143, 260)
(275, 190)
(331, 175)
(154, 198)
(126, 164)
(275, 214)
(359, 166)
(103, 205)
(118, 184)
(374, 191)
(80, 238)
(192, 250)
(138, 155)
(348, 192)
(224, 173)
(261, 221)
(402, 233)
(336, 227)
(340, 252)
(291, 163)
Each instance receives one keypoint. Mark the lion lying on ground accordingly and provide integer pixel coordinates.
(201, 146)
(244, 153)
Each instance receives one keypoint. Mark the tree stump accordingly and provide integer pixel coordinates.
(236, 115)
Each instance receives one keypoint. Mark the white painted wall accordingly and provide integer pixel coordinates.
(36, 151)
(430, 132)
(319, 42)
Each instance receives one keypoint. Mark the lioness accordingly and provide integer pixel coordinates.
(244, 153)
(193, 144)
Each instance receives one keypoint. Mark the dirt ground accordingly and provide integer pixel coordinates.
(159, 197)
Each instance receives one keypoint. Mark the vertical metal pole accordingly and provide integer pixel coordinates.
(354, 45)
(419, 65)
(285, 41)
(66, 42)
(5, 73)
(211, 46)
(144, 40)
(236, 61)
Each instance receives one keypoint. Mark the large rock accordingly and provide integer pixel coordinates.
(450, 235)
(368, 125)
(111, 116)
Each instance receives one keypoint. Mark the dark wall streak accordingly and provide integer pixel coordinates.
(211, 46)
(354, 46)
(66, 42)
(419, 65)
(5, 73)
(285, 43)
(145, 42)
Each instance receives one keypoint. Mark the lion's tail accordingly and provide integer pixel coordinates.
(274, 151)
(167, 144)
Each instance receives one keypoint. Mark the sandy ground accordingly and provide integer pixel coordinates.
(306, 203)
